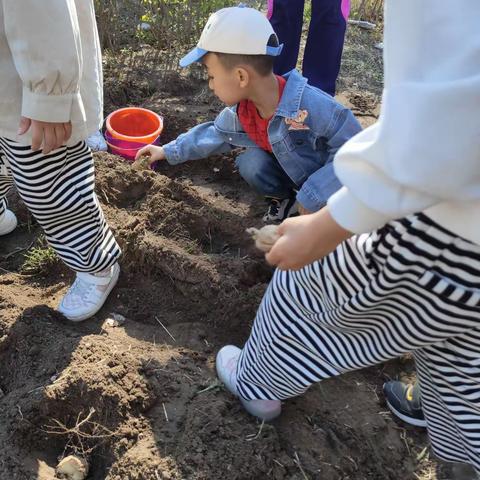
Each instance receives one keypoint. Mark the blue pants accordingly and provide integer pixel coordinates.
(264, 174)
(326, 34)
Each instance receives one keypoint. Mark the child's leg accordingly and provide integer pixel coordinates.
(6, 182)
(58, 189)
(449, 378)
(404, 288)
(286, 17)
(323, 51)
(263, 173)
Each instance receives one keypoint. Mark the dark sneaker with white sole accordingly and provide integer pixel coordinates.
(405, 403)
(279, 209)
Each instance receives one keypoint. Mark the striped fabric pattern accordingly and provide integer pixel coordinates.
(58, 189)
(410, 287)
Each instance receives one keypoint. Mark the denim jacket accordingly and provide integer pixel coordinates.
(305, 132)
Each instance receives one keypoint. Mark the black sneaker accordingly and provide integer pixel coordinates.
(280, 209)
(405, 403)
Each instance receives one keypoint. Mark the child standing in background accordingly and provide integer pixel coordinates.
(326, 35)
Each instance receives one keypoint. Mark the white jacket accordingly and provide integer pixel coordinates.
(50, 66)
(423, 154)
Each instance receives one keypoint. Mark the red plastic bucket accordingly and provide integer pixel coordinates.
(127, 150)
(129, 129)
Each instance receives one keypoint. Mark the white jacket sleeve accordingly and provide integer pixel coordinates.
(425, 148)
(44, 38)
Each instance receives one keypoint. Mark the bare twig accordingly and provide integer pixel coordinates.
(165, 412)
(297, 461)
(212, 386)
(20, 411)
(165, 328)
(18, 250)
(422, 454)
(254, 436)
(97, 431)
(403, 436)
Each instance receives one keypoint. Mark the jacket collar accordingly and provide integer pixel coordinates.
(292, 95)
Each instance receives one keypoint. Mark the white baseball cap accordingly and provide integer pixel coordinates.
(237, 30)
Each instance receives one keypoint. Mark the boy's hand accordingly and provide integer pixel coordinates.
(155, 153)
(305, 239)
(49, 135)
(302, 210)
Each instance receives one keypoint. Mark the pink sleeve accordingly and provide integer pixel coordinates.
(345, 8)
(270, 8)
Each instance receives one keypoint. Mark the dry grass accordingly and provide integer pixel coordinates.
(371, 10)
(39, 259)
(167, 24)
(362, 63)
(171, 27)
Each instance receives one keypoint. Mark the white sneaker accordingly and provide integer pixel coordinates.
(8, 222)
(96, 142)
(88, 294)
(226, 364)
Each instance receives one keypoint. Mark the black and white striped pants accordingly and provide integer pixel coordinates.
(411, 286)
(58, 189)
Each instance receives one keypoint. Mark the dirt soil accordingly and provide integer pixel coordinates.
(141, 401)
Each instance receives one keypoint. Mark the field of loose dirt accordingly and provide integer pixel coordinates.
(141, 401)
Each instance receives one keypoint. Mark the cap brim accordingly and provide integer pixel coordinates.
(275, 51)
(193, 56)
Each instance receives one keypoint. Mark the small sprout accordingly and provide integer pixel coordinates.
(39, 259)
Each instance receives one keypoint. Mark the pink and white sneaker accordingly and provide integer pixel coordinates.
(226, 364)
(8, 222)
(88, 294)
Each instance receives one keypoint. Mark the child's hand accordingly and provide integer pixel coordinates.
(48, 135)
(264, 238)
(305, 239)
(155, 153)
(302, 210)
